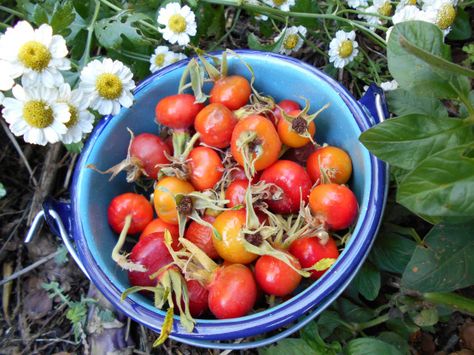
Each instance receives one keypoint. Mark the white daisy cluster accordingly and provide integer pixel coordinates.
(163, 57)
(343, 48)
(179, 23)
(42, 107)
(439, 12)
(292, 39)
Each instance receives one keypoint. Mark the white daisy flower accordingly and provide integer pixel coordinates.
(292, 40)
(283, 5)
(177, 57)
(163, 57)
(408, 13)
(343, 49)
(38, 55)
(381, 7)
(442, 13)
(404, 3)
(36, 114)
(389, 85)
(81, 120)
(6, 78)
(179, 22)
(108, 84)
(259, 16)
(2, 97)
(357, 3)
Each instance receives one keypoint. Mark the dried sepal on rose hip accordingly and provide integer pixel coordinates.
(297, 128)
(193, 206)
(329, 164)
(146, 153)
(232, 288)
(255, 144)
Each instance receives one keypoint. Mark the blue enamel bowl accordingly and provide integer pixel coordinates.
(283, 78)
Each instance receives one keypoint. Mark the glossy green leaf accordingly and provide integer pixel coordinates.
(434, 60)
(441, 186)
(110, 31)
(396, 340)
(393, 248)
(328, 321)
(461, 30)
(311, 335)
(403, 102)
(352, 312)
(370, 346)
(367, 281)
(62, 17)
(426, 317)
(412, 72)
(289, 347)
(254, 43)
(407, 140)
(445, 262)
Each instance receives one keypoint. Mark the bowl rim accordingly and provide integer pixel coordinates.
(333, 282)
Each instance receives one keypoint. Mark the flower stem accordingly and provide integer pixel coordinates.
(90, 31)
(278, 14)
(452, 300)
(11, 11)
(118, 9)
(227, 34)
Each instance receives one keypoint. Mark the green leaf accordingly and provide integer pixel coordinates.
(62, 17)
(403, 326)
(434, 60)
(40, 15)
(426, 317)
(370, 346)
(445, 262)
(367, 281)
(393, 249)
(461, 29)
(289, 347)
(254, 43)
(407, 140)
(441, 186)
(351, 312)
(310, 334)
(412, 72)
(74, 147)
(328, 321)
(403, 102)
(308, 7)
(110, 31)
(396, 340)
(3, 191)
(61, 258)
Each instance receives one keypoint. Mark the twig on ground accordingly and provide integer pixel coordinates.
(20, 152)
(48, 175)
(30, 267)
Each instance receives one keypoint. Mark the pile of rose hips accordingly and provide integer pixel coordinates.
(246, 202)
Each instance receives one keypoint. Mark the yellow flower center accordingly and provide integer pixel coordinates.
(34, 55)
(345, 49)
(160, 60)
(38, 114)
(74, 117)
(279, 2)
(411, 2)
(385, 9)
(446, 16)
(177, 23)
(109, 86)
(291, 41)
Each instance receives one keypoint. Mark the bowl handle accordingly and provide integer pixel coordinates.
(58, 217)
(374, 101)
